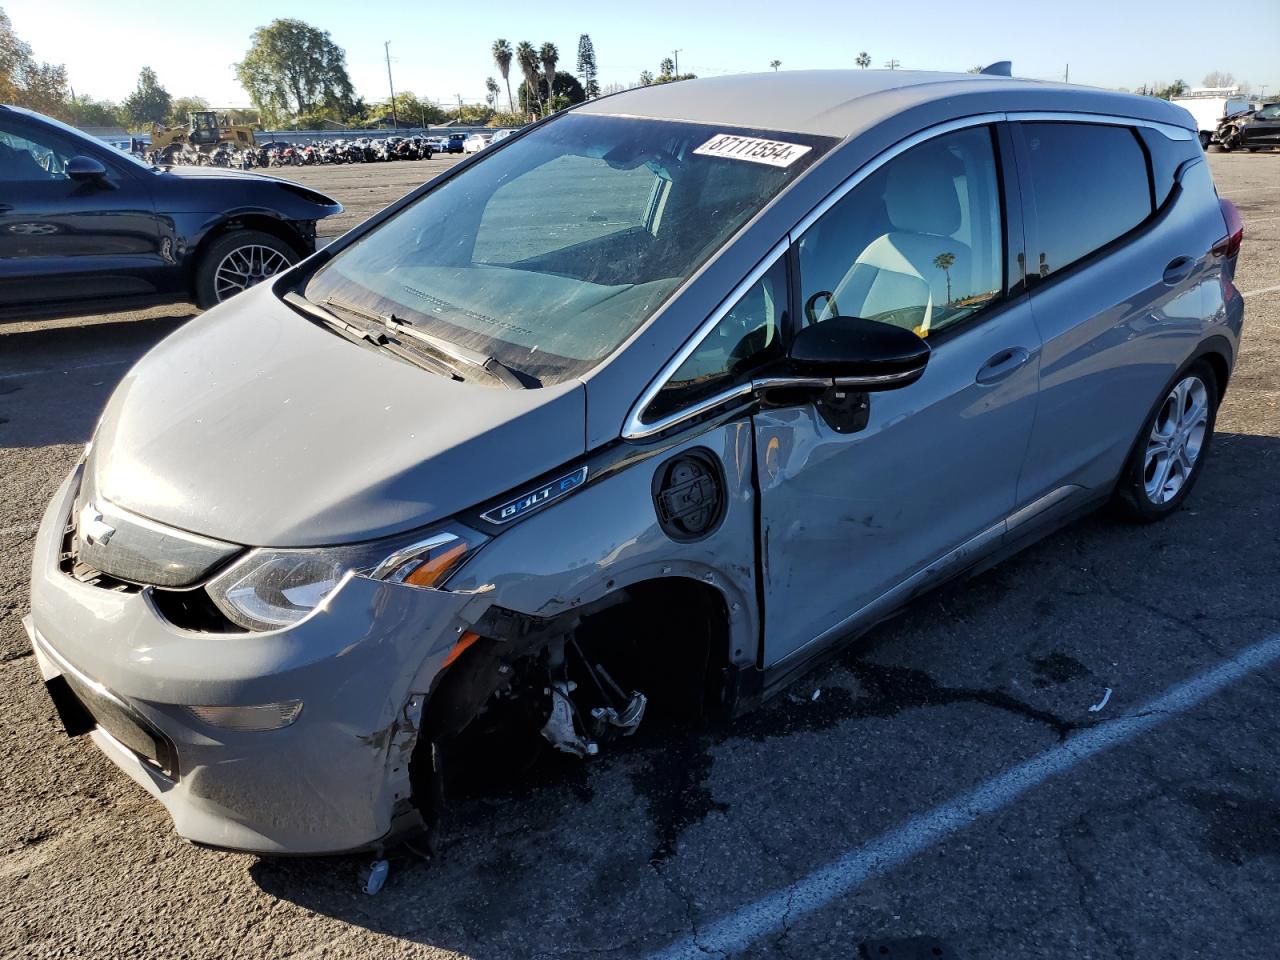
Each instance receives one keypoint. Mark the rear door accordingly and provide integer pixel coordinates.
(61, 239)
(1118, 263)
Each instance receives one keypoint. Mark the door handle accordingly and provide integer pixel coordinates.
(1002, 365)
(1178, 270)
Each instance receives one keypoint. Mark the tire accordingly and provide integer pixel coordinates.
(238, 260)
(1170, 452)
(1204, 140)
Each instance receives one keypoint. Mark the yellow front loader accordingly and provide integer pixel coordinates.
(202, 133)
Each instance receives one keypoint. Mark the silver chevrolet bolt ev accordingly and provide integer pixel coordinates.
(699, 381)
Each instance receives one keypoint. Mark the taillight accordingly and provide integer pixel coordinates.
(1229, 245)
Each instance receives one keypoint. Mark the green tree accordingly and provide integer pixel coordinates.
(410, 109)
(549, 56)
(491, 91)
(863, 60)
(27, 82)
(1175, 89)
(149, 103)
(502, 55)
(87, 112)
(775, 64)
(646, 78)
(292, 67)
(527, 61)
(588, 72)
(567, 90)
(183, 107)
(667, 68)
(944, 262)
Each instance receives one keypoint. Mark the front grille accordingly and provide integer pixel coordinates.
(127, 727)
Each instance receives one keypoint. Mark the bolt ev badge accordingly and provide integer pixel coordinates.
(536, 498)
(93, 529)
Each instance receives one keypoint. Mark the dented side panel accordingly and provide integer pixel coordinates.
(547, 565)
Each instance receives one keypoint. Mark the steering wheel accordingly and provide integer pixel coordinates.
(811, 305)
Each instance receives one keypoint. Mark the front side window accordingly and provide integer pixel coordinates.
(549, 253)
(32, 155)
(1090, 184)
(747, 337)
(1270, 112)
(918, 244)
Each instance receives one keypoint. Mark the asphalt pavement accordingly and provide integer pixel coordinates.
(942, 789)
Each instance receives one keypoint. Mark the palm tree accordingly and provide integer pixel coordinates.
(491, 91)
(549, 56)
(667, 68)
(864, 60)
(527, 59)
(944, 262)
(775, 64)
(502, 57)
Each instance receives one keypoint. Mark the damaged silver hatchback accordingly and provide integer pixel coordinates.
(636, 413)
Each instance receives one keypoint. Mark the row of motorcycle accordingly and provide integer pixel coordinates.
(283, 154)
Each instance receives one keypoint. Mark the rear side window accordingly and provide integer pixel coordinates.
(1091, 185)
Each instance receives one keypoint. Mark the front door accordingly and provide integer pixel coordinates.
(854, 517)
(62, 239)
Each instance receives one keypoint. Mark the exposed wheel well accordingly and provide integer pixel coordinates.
(666, 638)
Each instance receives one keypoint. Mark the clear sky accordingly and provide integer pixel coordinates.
(441, 50)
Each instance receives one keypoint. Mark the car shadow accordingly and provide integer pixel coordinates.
(55, 381)
(600, 857)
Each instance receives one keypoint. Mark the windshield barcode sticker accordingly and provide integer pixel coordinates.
(775, 153)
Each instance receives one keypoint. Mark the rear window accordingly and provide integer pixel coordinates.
(1091, 185)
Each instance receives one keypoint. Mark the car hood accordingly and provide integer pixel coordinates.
(256, 425)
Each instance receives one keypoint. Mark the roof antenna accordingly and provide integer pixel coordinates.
(1001, 68)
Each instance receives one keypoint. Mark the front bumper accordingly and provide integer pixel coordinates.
(329, 782)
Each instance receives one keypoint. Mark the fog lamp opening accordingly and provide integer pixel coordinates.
(251, 719)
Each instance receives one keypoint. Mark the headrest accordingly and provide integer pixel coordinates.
(920, 194)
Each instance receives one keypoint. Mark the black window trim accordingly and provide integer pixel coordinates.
(635, 428)
(1156, 213)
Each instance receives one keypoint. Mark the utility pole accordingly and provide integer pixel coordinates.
(387, 47)
(675, 54)
(893, 64)
(1067, 77)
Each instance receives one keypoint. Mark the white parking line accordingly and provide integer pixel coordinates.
(82, 366)
(1255, 293)
(768, 915)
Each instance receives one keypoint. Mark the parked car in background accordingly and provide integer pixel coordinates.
(1251, 130)
(454, 143)
(502, 134)
(1209, 108)
(83, 224)
(703, 380)
(476, 142)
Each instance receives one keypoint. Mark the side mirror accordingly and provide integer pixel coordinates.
(859, 354)
(84, 169)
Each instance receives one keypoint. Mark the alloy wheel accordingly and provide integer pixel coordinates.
(1176, 439)
(245, 266)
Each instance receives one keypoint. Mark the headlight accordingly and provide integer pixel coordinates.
(270, 589)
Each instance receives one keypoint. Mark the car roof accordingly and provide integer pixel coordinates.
(844, 103)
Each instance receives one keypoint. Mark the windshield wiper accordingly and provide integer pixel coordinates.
(461, 358)
(376, 338)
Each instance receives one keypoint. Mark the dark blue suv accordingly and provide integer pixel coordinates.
(83, 225)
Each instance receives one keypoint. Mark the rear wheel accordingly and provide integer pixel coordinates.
(239, 260)
(1171, 450)
(1205, 137)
